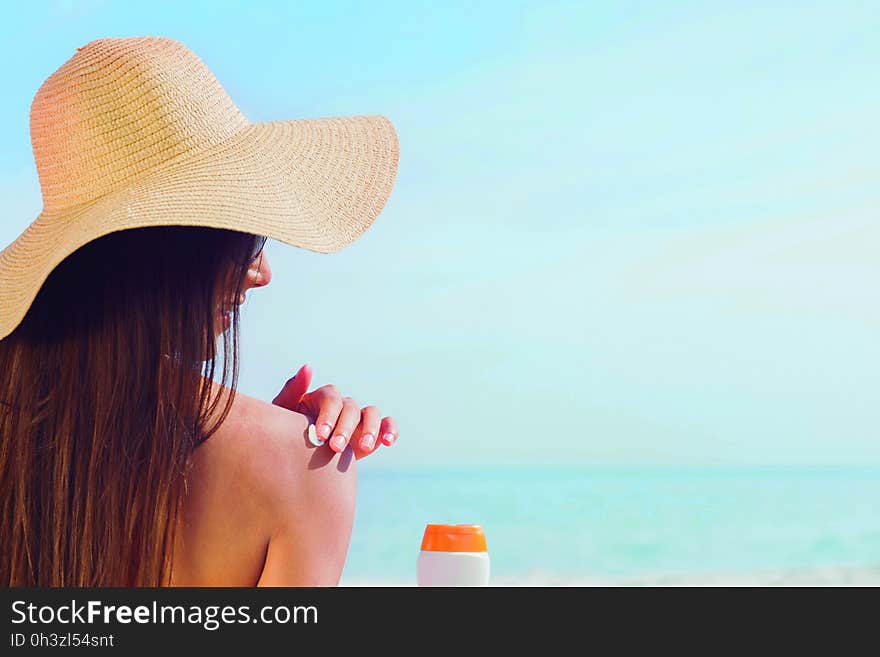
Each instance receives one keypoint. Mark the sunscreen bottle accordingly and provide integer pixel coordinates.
(453, 555)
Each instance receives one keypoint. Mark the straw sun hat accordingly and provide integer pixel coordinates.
(134, 132)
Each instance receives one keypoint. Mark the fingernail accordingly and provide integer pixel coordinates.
(368, 440)
(388, 438)
(324, 430)
(339, 442)
(313, 437)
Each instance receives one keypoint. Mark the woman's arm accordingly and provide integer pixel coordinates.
(309, 495)
(264, 505)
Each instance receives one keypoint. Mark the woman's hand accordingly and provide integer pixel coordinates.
(336, 416)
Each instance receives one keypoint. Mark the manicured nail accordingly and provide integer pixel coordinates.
(313, 436)
(339, 442)
(388, 438)
(368, 440)
(324, 430)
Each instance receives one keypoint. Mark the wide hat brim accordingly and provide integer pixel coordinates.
(317, 184)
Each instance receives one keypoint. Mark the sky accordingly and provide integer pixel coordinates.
(632, 233)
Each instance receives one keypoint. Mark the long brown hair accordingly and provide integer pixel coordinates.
(105, 392)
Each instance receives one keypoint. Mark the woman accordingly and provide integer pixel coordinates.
(122, 461)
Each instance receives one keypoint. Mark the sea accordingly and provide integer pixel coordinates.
(560, 526)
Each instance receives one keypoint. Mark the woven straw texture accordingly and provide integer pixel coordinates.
(137, 131)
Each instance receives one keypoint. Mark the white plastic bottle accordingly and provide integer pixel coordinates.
(453, 555)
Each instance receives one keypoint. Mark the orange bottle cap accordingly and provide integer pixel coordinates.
(453, 538)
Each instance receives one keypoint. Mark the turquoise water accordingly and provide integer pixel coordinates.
(557, 526)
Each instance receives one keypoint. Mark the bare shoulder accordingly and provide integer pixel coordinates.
(268, 446)
(258, 440)
(258, 489)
